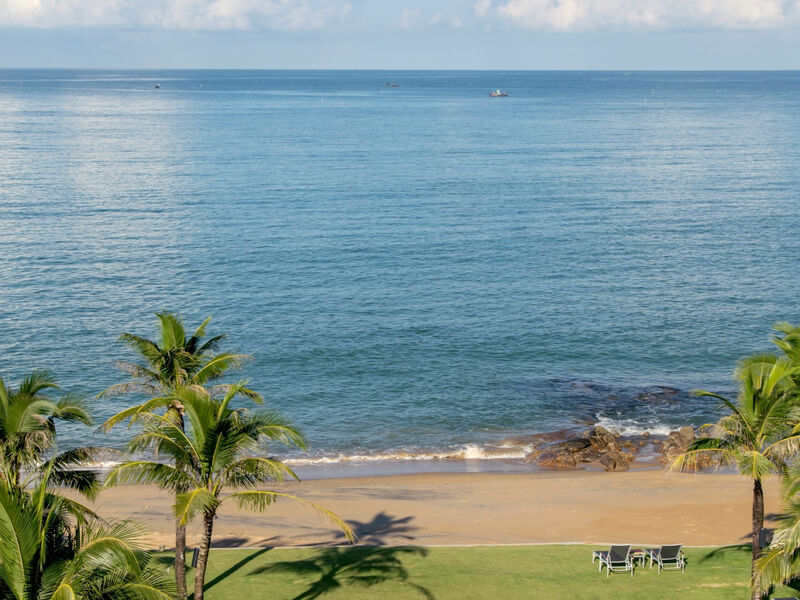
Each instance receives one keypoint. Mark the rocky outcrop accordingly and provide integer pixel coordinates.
(596, 445)
(616, 461)
(600, 448)
(557, 457)
(678, 442)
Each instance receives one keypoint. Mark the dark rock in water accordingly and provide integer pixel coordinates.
(596, 445)
(687, 434)
(540, 439)
(657, 393)
(557, 458)
(678, 442)
(575, 445)
(599, 446)
(602, 438)
(615, 461)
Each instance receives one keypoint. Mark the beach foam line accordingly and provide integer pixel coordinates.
(466, 452)
(628, 427)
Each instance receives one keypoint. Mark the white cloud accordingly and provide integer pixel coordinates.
(586, 15)
(174, 14)
(482, 7)
(414, 18)
(410, 18)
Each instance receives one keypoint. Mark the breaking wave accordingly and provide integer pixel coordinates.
(465, 452)
(633, 426)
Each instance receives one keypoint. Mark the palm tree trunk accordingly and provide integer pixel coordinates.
(180, 533)
(758, 523)
(202, 557)
(180, 559)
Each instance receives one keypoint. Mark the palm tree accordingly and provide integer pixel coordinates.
(43, 556)
(780, 562)
(215, 454)
(757, 435)
(27, 423)
(173, 361)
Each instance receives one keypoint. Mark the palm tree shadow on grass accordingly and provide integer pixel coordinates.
(233, 568)
(357, 566)
(336, 568)
(723, 550)
(744, 549)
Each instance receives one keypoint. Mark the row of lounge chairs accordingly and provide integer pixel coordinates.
(621, 558)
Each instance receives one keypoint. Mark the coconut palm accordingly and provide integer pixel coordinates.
(757, 436)
(780, 562)
(43, 556)
(216, 453)
(173, 361)
(27, 423)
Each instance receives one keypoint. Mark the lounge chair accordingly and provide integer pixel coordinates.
(668, 558)
(617, 559)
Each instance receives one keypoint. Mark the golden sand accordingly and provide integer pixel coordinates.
(646, 507)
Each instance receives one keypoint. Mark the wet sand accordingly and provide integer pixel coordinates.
(641, 507)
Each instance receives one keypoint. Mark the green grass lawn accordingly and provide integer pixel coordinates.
(566, 572)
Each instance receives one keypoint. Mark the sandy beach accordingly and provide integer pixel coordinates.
(640, 506)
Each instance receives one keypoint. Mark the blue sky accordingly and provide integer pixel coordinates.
(398, 34)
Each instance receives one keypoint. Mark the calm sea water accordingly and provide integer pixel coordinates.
(414, 269)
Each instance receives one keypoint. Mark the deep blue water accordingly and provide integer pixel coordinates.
(420, 267)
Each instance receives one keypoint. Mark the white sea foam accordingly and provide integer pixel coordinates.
(633, 427)
(466, 452)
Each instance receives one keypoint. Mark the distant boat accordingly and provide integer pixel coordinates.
(497, 94)
(391, 85)
(158, 85)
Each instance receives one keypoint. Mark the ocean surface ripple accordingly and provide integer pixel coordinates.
(416, 270)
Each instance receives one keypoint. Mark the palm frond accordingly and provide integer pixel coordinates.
(249, 472)
(218, 365)
(35, 382)
(141, 472)
(129, 387)
(188, 504)
(18, 540)
(173, 335)
(260, 501)
(148, 349)
(135, 412)
(72, 408)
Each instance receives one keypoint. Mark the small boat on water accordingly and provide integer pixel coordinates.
(498, 94)
(158, 85)
(391, 84)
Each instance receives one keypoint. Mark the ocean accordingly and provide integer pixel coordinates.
(419, 270)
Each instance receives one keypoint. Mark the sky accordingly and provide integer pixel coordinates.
(401, 34)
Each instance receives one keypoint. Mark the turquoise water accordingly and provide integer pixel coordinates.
(419, 269)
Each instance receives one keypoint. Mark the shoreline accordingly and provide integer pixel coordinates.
(409, 467)
(572, 449)
(642, 506)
